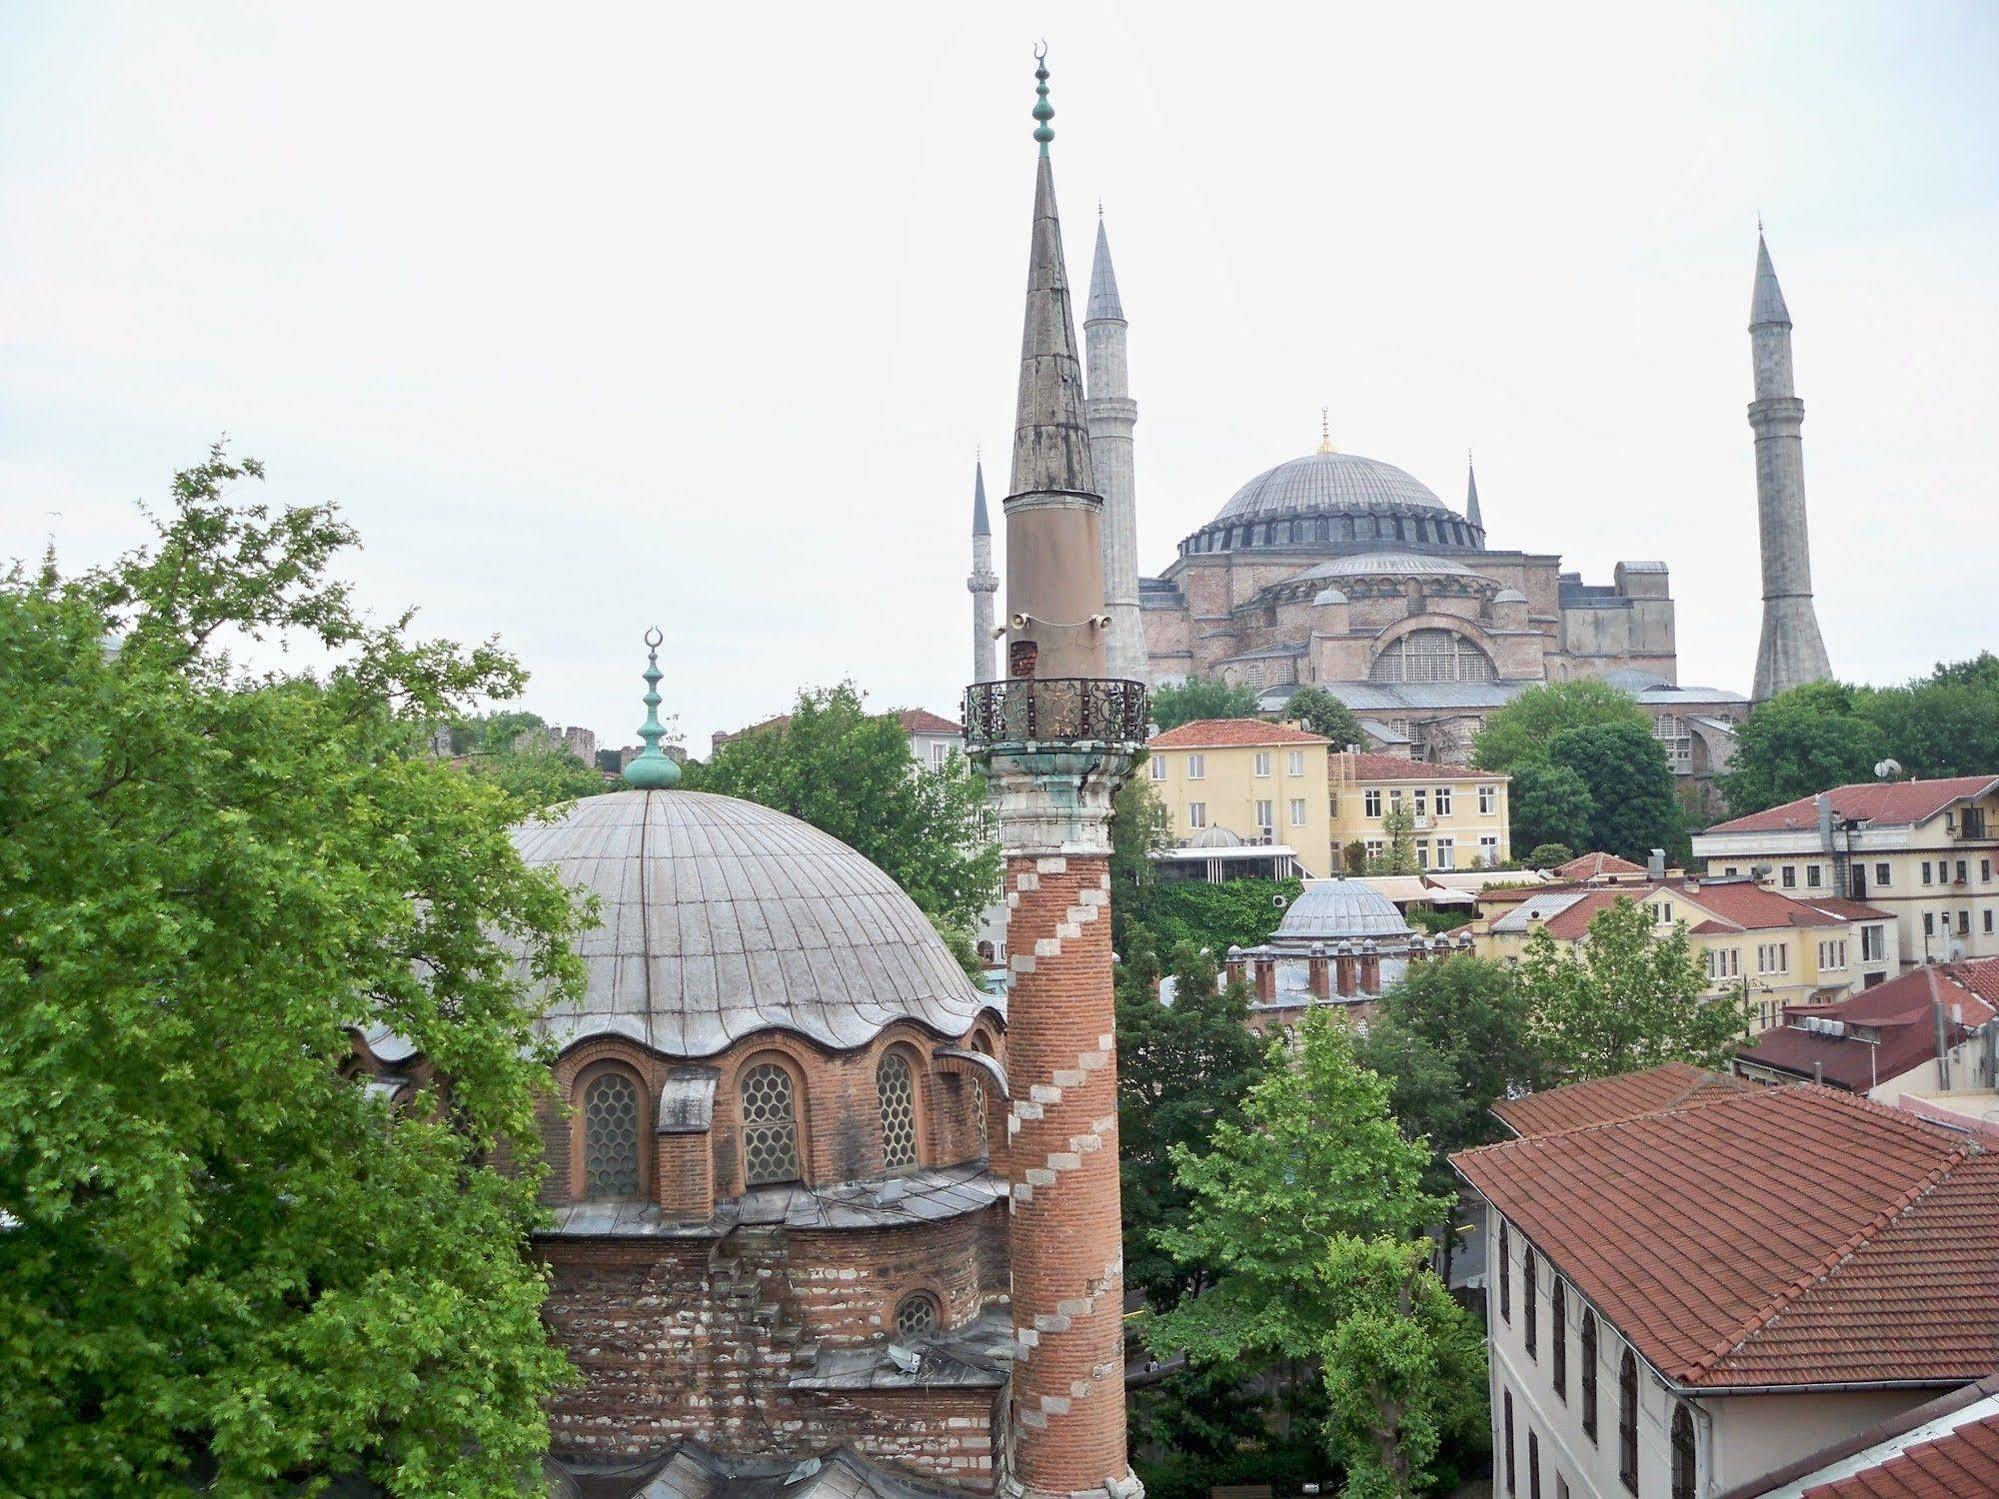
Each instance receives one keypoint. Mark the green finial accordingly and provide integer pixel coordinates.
(1043, 110)
(651, 769)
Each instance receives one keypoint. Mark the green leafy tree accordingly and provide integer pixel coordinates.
(1399, 856)
(1946, 724)
(1235, 913)
(1201, 697)
(1521, 732)
(534, 779)
(1325, 714)
(1548, 855)
(1183, 1069)
(1404, 1368)
(848, 772)
(1631, 789)
(1549, 804)
(1800, 743)
(1626, 997)
(224, 1261)
(1140, 827)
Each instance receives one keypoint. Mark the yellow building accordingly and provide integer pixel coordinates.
(1756, 943)
(1458, 816)
(1263, 782)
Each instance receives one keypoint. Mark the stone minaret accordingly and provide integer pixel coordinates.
(1112, 414)
(1056, 738)
(1473, 516)
(1791, 651)
(983, 583)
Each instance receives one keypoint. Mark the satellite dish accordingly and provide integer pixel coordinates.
(1887, 770)
(1278, 901)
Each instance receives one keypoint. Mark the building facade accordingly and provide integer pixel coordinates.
(1458, 816)
(1925, 851)
(1262, 783)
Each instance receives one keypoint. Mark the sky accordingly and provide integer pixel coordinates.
(594, 318)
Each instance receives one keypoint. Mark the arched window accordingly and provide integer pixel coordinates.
(1511, 1487)
(1528, 1320)
(611, 1136)
(1683, 1453)
(1533, 1464)
(1432, 656)
(1587, 1351)
(916, 1316)
(1324, 529)
(898, 1100)
(1627, 1421)
(1558, 1338)
(770, 1126)
(1505, 1275)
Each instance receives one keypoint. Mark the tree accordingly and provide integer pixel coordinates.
(1548, 855)
(1140, 828)
(1404, 1368)
(1183, 1069)
(1624, 998)
(1800, 743)
(223, 1257)
(1630, 786)
(1399, 857)
(1202, 697)
(848, 772)
(1521, 732)
(541, 777)
(1549, 804)
(1946, 724)
(1325, 714)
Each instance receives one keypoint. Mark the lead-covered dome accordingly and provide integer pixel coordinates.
(721, 918)
(1340, 911)
(1329, 482)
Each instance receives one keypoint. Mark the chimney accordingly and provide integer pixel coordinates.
(1655, 864)
(1343, 966)
(1320, 973)
(1266, 978)
(1370, 968)
(1233, 968)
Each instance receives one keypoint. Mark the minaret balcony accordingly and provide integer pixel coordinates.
(1054, 711)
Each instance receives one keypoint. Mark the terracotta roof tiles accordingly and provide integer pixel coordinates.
(923, 721)
(1375, 767)
(1900, 1016)
(1231, 733)
(1891, 803)
(1594, 866)
(1607, 1100)
(1964, 1462)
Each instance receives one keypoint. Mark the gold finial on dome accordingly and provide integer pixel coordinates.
(1326, 430)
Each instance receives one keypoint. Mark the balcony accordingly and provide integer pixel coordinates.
(1054, 711)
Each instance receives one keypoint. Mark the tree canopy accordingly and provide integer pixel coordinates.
(1632, 806)
(223, 1256)
(1549, 804)
(1628, 996)
(1201, 697)
(1521, 732)
(848, 772)
(1325, 714)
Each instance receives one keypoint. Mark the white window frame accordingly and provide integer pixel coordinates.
(1197, 767)
(1197, 814)
(1441, 800)
(1261, 764)
(1488, 800)
(1295, 763)
(1488, 850)
(1447, 853)
(1297, 811)
(1266, 811)
(1158, 767)
(1371, 802)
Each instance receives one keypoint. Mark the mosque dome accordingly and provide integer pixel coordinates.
(1390, 565)
(721, 918)
(1320, 482)
(1340, 911)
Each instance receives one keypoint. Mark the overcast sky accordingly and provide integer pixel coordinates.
(595, 317)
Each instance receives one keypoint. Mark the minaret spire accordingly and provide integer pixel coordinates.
(1112, 414)
(983, 582)
(1791, 651)
(652, 769)
(1472, 512)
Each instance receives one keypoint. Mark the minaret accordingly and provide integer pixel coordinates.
(1112, 414)
(1791, 651)
(652, 769)
(1472, 515)
(983, 583)
(1056, 737)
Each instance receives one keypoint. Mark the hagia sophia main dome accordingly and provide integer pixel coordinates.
(1337, 498)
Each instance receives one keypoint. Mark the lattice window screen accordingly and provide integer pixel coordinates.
(770, 1129)
(611, 1137)
(916, 1316)
(898, 1096)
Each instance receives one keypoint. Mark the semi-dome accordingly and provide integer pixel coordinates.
(721, 918)
(1340, 911)
(1390, 565)
(1321, 482)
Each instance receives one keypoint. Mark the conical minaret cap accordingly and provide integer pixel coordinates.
(981, 525)
(1471, 495)
(1104, 304)
(1051, 440)
(1766, 305)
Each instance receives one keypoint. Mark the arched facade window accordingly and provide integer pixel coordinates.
(770, 1126)
(917, 1315)
(1529, 1322)
(896, 1085)
(1323, 529)
(1432, 656)
(1627, 1421)
(1505, 1274)
(1684, 1460)
(1558, 1338)
(1586, 1350)
(611, 1135)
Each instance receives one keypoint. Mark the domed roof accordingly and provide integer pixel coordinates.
(1329, 481)
(1215, 836)
(721, 918)
(1340, 911)
(1389, 565)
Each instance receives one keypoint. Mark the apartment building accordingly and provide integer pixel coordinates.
(1927, 851)
(1263, 782)
(1458, 815)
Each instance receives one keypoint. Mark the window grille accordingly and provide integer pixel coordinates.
(916, 1316)
(1587, 1352)
(1558, 1335)
(898, 1098)
(1683, 1453)
(611, 1137)
(770, 1129)
(1627, 1422)
(1432, 656)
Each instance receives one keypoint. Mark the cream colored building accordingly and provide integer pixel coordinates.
(1459, 815)
(1757, 944)
(1927, 851)
(1263, 782)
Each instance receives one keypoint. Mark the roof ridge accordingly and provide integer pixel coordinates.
(1833, 1259)
(1674, 1107)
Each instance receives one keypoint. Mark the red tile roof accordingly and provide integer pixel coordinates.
(1593, 866)
(1231, 733)
(1900, 1011)
(1753, 908)
(1779, 1236)
(1606, 1100)
(1980, 976)
(1371, 767)
(1892, 803)
(1873, 1453)
(923, 721)
(1964, 1461)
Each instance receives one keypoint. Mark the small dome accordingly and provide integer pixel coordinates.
(721, 918)
(1214, 836)
(1329, 481)
(1509, 596)
(1340, 911)
(1390, 565)
(1328, 596)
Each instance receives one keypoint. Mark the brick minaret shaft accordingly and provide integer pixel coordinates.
(1056, 738)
